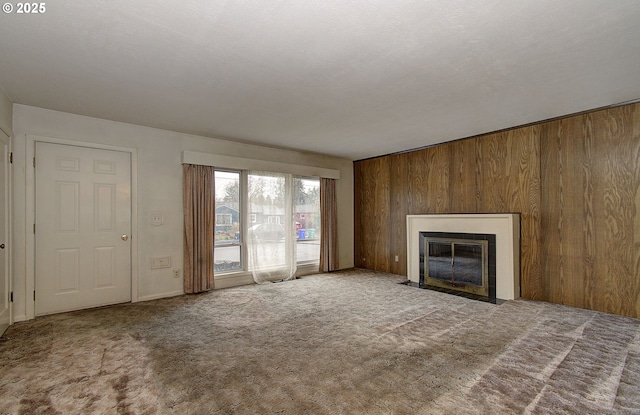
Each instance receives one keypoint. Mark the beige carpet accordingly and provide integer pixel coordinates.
(351, 342)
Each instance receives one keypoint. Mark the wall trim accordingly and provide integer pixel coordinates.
(159, 296)
(21, 317)
(241, 163)
(8, 218)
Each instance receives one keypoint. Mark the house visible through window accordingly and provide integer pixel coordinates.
(224, 219)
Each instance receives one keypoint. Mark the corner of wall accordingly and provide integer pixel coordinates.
(6, 113)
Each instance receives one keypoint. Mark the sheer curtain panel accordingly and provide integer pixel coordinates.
(271, 237)
(328, 218)
(199, 222)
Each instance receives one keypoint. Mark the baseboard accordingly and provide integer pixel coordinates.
(22, 317)
(158, 296)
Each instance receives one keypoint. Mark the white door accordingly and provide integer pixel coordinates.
(82, 227)
(5, 282)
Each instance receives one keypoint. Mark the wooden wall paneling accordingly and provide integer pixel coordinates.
(363, 192)
(479, 176)
(510, 162)
(361, 219)
(494, 164)
(635, 160)
(374, 219)
(635, 266)
(523, 196)
(577, 209)
(418, 167)
(590, 166)
(358, 239)
(440, 169)
(575, 182)
(567, 171)
(383, 218)
(600, 181)
(616, 209)
(466, 176)
(551, 203)
(587, 165)
(399, 184)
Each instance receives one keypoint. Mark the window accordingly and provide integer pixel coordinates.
(227, 251)
(265, 218)
(307, 210)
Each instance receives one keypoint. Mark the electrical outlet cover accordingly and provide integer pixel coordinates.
(161, 262)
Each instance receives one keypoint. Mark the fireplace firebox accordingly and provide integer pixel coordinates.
(458, 261)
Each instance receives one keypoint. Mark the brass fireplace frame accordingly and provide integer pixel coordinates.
(482, 290)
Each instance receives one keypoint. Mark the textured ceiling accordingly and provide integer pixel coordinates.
(347, 78)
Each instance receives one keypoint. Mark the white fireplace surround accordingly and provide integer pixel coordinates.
(506, 227)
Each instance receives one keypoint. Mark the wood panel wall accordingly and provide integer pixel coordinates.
(591, 205)
(574, 181)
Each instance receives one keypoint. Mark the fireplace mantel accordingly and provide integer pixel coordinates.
(506, 227)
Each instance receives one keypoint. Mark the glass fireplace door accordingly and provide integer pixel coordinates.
(458, 264)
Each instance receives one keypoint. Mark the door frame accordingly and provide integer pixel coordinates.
(8, 218)
(30, 238)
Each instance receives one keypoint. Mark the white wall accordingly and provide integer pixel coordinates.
(159, 189)
(6, 109)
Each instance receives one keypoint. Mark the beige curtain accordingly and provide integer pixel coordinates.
(199, 223)
(328, 218)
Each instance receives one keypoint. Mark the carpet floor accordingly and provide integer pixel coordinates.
(353, 342)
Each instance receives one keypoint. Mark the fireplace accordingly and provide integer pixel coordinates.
(476, 254)
(459, 262)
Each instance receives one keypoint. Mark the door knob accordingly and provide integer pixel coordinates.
(124, 237)
(1, 246)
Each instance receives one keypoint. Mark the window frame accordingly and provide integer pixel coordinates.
(308, 262)
(244, 225)
(241, 225)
